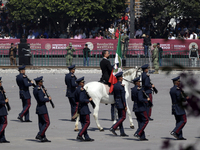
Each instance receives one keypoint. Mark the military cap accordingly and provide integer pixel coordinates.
(72, 67)
(136, 79)
(70, 44)
(39, 79)
(80, 80)
(119, 74)
(176, 79)
(21, 68)
(155, 44)
(145, 66)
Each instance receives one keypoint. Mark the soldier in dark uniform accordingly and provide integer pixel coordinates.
(24, 83)
(41, 110)
(70, 81)
(83, 110)
(3, 116)
(120, 102)
(178, 111)
(140, 109)
(146, 84)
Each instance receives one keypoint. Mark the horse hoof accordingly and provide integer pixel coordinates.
(101, 130)
(132, 127)
(76, 130)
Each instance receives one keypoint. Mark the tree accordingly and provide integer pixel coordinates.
(65, 10)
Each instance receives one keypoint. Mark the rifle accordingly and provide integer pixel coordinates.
(4, 95)
(91, 102)
(33, 84)
(149, 102)
(154, 88)
(52, 104)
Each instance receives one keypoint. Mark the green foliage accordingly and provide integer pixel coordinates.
(171, 8)
(62, 9)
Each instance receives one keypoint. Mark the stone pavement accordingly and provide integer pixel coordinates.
(60, 131)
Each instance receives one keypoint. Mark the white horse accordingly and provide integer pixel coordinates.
(97, 92)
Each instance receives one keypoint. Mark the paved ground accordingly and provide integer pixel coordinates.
(22, 135)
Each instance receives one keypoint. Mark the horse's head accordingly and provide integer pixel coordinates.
(132, 73)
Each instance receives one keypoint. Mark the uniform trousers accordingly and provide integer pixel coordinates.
(119, 123)
(85, 122)
(26, 104)
(73, 105)
(180, 123)
(69, 60)
(43, 123)
(3, 124)
(143, 120)
(194, 61)
(149, 109)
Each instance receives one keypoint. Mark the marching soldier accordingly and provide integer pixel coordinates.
(120, 103)
(69, 57)
(70, 81)
(194, 56)
(140, 109)
(24, 83)
(3, 116)
(155, 55)
(146, 84)
(83, 110)
(178, 111)
(41, 110)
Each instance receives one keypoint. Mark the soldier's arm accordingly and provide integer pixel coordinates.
(147, 82)
(73, 49)
(141, 97)
(73, 82)
(109, 66)
(26, 83)
(41, 96)
(82, 98)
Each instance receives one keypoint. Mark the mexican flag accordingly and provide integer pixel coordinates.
(117, 66)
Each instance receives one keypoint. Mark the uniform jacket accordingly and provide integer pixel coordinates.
(70, 81)
(106, 69)
(70, 51)
(3, 111)
(140, 103)
(177, 99)
(83, 108)
(119, 95)
(41, 100)
(23, 84)
(155, 54)
(146, 83)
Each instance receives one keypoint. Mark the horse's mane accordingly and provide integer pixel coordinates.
(129, 72)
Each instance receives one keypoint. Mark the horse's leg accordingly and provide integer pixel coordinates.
(130, 118)
(76, 123)
(95, 114)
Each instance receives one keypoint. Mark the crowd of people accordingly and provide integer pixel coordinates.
(101, 29)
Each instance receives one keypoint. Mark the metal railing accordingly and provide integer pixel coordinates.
(133, 58)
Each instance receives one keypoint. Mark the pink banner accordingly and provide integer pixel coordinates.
(58, 46)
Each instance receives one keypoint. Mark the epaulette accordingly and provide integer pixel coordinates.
(24, 76)
(122, 85)
(39, 88)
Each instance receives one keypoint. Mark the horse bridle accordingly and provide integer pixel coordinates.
(138, 70)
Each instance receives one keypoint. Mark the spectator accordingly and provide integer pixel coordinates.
(45, 34)
(71, 36)
(193, 56)
(35, 33)
(106, 34)
(160, 52)
(12, 54)
(77, 36)
(171, 37)
(13, 36)
(18, 34)
(82, 34)
(99, 36)
(1, 37)
(6, 36)
(117, 31)
(90, 35)
(138, 33)
(111, 30)
(93, 31)
(146, 44)
(31, 36)
(63, 35)
(179, 37)
(86, 55)
(193, 36)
